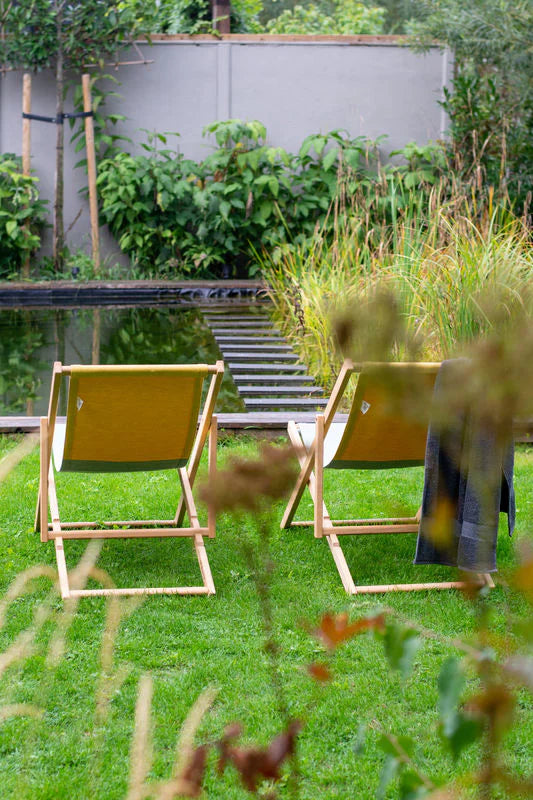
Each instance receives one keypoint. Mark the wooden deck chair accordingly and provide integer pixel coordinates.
(386, 428)
(123, 419)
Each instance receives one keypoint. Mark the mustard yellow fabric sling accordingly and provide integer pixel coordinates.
(118, 421)
(387, 424)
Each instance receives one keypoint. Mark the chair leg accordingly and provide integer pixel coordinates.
(188, 498)
(324, 518)
(62, 568)
(208, 586)
(318, 499)
(306, 463)
(41, 515)
(487, 578)
(205, 569)
(212, 469)
(311, 482)
(199, 545)
(37, 522)
(341, 563)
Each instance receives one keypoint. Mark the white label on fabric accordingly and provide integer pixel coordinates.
(79, 403)
(364, 407)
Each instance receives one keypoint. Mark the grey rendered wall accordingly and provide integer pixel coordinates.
(294, 87)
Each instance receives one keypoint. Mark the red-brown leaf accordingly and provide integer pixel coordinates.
(319, 672)
(193, 774)
(255, 764)
(336, 629)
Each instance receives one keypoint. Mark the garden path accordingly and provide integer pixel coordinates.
(265, 369)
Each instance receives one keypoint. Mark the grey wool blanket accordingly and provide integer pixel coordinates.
(468, 479)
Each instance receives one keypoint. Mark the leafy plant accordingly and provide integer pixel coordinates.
(181, 216)
(22, 215)
(424, 165)
(146, 202)
(195, 16)
(320, 168)
(242, 187)
(341, 17)
(491, 102)
(466, 716)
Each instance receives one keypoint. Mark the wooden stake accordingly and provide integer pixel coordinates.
(26, 148)
(58, 244)
(26, 109)
(26, 169)
(91, 170)
(97, 324)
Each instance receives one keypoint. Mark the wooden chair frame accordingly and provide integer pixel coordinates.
(312, 476)
(118, 529)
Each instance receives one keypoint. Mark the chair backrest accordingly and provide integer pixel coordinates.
(388, 420)
(127, 418)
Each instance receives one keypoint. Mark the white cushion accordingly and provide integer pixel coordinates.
(58, 444)
(333, 438)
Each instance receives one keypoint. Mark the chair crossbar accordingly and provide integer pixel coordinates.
(134, 523)
(127, 533)
(415, 587)
(182, 590)
(377, 521)
(368, 530)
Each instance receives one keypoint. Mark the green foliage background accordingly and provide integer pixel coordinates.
(21, 215)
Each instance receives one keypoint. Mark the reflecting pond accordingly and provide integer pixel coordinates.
(31, 340)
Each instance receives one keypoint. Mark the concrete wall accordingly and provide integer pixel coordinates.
(295, 85)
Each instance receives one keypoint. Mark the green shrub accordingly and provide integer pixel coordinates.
(175, 216)
(343, 17)
(490, 105)
(21, 215)
(146, 201)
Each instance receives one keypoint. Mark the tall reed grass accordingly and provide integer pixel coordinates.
(452, 271)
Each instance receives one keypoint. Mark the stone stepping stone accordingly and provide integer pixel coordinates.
(239, 341)
(269, 355)
(288, 379)
(266, 367)
(280, 402)
(269, 347)
(249, 319)
(284, 391)
(244, 331)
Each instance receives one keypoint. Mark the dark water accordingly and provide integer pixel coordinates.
(30, 341)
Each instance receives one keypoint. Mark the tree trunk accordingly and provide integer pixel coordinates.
(220, 11)
(59, 231)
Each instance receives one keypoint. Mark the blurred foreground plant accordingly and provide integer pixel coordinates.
(484, 715)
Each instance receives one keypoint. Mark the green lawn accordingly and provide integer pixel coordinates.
(188, 644)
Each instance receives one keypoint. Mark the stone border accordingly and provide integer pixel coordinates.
(59, 294)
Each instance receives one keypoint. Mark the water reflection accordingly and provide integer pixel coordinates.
(30, 341)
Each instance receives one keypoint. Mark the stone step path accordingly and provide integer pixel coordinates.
(287, 380)
(265, 369)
